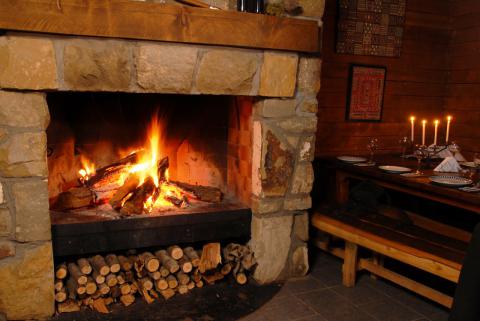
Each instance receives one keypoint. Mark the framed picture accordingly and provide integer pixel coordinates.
(365, 93)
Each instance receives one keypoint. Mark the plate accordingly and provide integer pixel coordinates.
(452, 181)
(351, 159)
(395, 169)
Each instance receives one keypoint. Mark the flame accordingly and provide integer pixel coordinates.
(87, 170)
(147, 165)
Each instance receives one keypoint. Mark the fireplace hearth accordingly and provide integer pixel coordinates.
(265, 172)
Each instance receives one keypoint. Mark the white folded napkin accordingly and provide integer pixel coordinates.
(448, 165)
(446, 153)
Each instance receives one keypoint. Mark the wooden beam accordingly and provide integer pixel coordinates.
(154, 21)
(405, 282)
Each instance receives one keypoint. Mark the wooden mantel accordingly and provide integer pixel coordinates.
(153, 21)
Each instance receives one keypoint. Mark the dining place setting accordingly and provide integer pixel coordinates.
(441, 164)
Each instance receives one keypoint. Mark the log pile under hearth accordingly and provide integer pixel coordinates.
(120, 185)
(99, 281)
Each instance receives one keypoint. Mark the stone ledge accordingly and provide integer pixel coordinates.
(278, 74)
(296, 202)
(28, 62)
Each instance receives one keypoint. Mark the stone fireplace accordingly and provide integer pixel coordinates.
(277, 132)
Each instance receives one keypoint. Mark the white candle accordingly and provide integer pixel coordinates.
(424, 123)
(412, 122)
(449, 119)
(436, 131)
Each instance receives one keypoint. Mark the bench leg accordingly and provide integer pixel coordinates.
(377, 260)
(350, 264)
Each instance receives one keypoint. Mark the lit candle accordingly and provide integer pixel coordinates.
(449, 119)
(424, 123)
(435, 135)
(412, 122)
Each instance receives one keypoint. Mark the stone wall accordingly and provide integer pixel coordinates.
(283, 124)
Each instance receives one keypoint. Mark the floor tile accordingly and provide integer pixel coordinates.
(289, 309)
(305, 284)
(361, 293)
(389, 310)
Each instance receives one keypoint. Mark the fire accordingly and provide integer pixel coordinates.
(148, 162)
(87, 170)
(146, 166)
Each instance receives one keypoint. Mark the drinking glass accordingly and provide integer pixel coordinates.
(454, 148)
(372, 146)
(421, 152)
(404, 143)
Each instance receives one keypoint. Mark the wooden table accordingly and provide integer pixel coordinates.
(417, 186)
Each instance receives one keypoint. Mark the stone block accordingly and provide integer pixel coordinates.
(300, 226)
(278, 75)
(5, 222)
(302, 178)
(271, 240)
(7, 248)
(2, 198)
(23, 109)
(27, 63)
(100, 65)
(272, 108)
(266, 205)
(307, 148)
(277, 166)
(308, 105)
(227, 72)
(24, 154)
(299, 124)
(32, 216)
(297, 202)
(312, 8)
(299, 264)
(166, 67)
(29, 273)
(309, 75)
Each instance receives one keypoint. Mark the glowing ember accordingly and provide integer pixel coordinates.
(87, 171)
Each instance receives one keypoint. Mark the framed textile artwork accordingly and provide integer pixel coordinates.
(365, 93)
(370, 27)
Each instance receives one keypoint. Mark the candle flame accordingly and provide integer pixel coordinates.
(412, 118)
(449, 118)
(424, 122)
(436, 121)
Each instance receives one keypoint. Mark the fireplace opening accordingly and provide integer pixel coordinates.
(139, 170)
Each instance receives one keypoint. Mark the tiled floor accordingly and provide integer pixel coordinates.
(320, 296)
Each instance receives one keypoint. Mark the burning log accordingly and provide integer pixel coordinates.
(163, 165)
(75, 197)
(202, 193)
(104, 175)
(131, 183)
(135, 204)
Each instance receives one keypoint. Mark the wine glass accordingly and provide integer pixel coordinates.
(421, 152)
(372, 146)
(454, 148)
(404, 142)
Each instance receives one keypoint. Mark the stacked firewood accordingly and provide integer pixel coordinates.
(98, 281)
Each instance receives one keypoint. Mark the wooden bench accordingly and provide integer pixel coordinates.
(427, 245)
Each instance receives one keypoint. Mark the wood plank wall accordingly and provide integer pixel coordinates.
(416, 82)
(463, 90)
